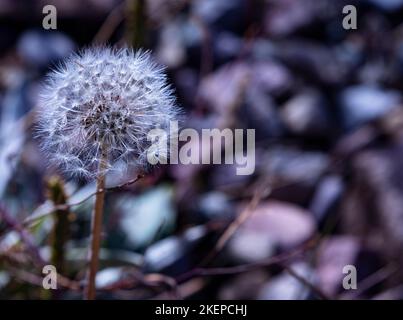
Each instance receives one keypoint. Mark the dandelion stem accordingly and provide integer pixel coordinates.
(136, 22)
(96, 228)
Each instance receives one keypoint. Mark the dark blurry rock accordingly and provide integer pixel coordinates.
(374, 72)
(313, 61)
(328, 192)
(337, 252)
(294, 172)
(287, 287)
(292, 165)
(164, 253)
(355, 141)
(399, 57)
(161, 11)
(351, 52)
(273, 225)
(262, 49)
(224, 15)
(9, 239)
(186, 80)
(4, 279)
(363, 103)
(216, 205)
(260, 113)
(193, 34)
(271, 77)
(13, 105)
(227, 88)
(395, 293)
(306, 114)
(244, 286)
(171, 47)
(373, 206)
(334, 254)
(109, 276)
(173, 254)
(227, 46)
(387, 5)
(285, 16)
(221, 89)
(200, 122)
(147, 217)
(41, 48)
(250, 246)
(392, 124)
(224, 177)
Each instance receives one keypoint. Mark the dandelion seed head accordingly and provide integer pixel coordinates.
(99, 105)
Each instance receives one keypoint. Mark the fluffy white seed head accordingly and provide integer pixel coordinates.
(99, 106)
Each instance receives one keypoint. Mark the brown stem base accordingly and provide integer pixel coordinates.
(96, 228)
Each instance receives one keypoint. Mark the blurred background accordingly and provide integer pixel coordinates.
(326, 104)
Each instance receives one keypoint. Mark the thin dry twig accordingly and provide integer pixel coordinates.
(370, 281)
(24, 235)
(152, 280)
(173, 284)
(276, 260)
(29, 220)
(34, 279)
(319, 292)
(110, 24)
(260, 192)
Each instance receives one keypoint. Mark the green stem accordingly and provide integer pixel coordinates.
(135, 22)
